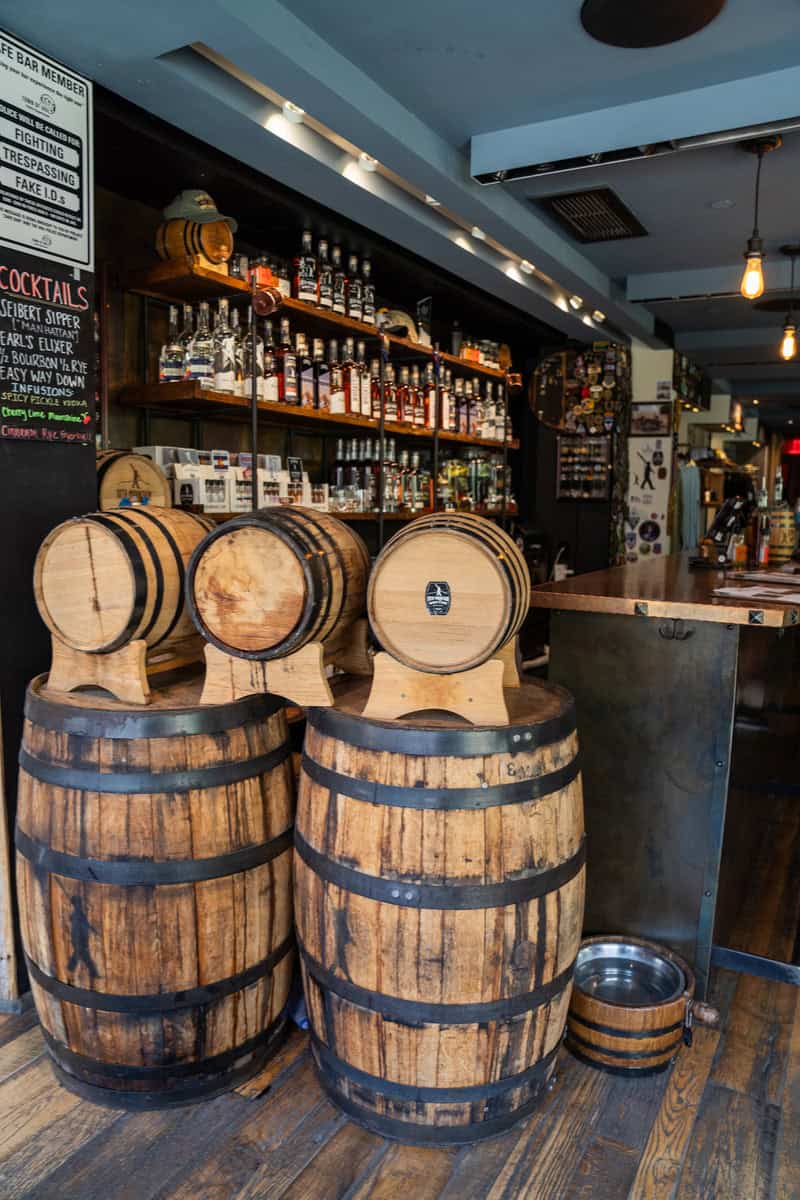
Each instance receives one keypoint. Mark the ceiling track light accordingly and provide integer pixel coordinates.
(432, 201)
(788, 347)
(526, 267)
(293, 112)
(478, 233)
(576, 302)
(599, 316)
(367, 162)
(752, 284)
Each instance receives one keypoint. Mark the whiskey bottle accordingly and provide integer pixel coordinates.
(364, 380)
(247, 361)
(171, 358)
(322, 378)
(404, 400)
(355, 290)
(389, 399)
(352, 385)
(271, 390)
(200, 358)
(287, 366)
(368, 293)
(339, 283)
(238, 351)
(376, 399)
(429, 399)
(224, 351)
(305, 277)
(325, 286)
(417, 399)
(337, 397)
(462, 408)
(305, 372)
(474, 398)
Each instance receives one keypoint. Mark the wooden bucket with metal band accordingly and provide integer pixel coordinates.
(154, 865)
(130, 479)
(102, 580)
(447, 592)
(631, 1006)
(264, 584)
(182, 238)
(439, 883)
(782, 535)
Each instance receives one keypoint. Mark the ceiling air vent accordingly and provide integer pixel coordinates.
(597, 215)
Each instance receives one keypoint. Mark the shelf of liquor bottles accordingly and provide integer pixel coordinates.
(191, 398)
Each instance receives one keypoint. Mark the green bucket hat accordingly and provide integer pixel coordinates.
(194, 205)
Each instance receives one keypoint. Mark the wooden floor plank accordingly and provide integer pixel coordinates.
(20, 1052)
(13, 1024)
(605, 1171)
(787, 1160)
(756, 1039)
(631, 1108)
(410, 1172)
(731, 1149)
(335, 1169)
(295, 1045)
(30, 1101)
(669, 1137)
(24, 1174)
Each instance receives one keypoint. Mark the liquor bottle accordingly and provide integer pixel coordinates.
(403, 481)
(352, 386)
(355, 290)
(287, 366)
(247, 361)
(488, 414)
(305, 271)
(224, 351)
(339, 283)
(271, 390)
(337, 474)
(187, 331)
(322, 378)
(305, 372)
(200, 358)
(476, 408)
(376, 399)
(353, 479)
(368, 477)
(325, 285)
(171, 358)
(449, 414)
(368, 293)
(429, 399)
(403, 399)
(338, 400)
(417, 398)
(462, 411)
(779, 501)
(471, 407)
(416, 482)
(238, 351)
(390, 404)
(500, 414)
(455, 339)
(390, 477)
(280, 269)
(364, 380)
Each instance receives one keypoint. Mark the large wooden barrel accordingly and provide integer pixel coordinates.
(782, 535)
(154, 873)
(106, 578)
(643, 1034)
(182, 238)
(447, 592)
(264, 584)
(439, 883)
(126, 478)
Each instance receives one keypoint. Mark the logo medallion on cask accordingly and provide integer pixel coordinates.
(437, 598)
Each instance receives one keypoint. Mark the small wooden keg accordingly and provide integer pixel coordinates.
(447, 592)
(126, 478)
(631, 1003)
(264, 584)
(154, 875)
(182, 238)
(439, 884)
(104, 579)
(782, 535)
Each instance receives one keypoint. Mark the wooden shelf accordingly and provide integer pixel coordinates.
(355, 516)
(188, 398)
(184, 279)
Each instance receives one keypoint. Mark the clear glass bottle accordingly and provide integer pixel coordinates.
(322, 377)
(281, 272)
(187, 331)
(352, 388)
(339, 283)
(368, 293)
(417, 399)
(337, 472)
(376, 399)
(271, 389)
(238, 351)
(305, 371)
(429, 399)
(355, 290)
(368, 477)
(390, 477)
(305, 271)
(390, 405)
(224, 351)
(338, 403)
(247, 360)
(325, 276)
(200, 359)
(403, 480)
(462, 407)
(171, 358)
(364, 380)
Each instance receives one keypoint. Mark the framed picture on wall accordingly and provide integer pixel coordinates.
(651, 420)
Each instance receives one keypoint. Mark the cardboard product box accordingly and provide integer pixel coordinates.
(163, 456)
(202, 487)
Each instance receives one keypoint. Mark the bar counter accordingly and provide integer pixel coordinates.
(663, 674)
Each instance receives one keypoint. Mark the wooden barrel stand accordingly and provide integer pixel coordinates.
(439, 897)
(154, 868)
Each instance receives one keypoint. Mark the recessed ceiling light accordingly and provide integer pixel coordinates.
(367, 162)
(478, 233)
(576, 302)
(434, 203)
(722, 204)
(526, 267)
(293, 112)
(598, 315)
(756, 402)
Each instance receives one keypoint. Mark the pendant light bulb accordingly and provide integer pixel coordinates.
(752, 285)
(789, 343)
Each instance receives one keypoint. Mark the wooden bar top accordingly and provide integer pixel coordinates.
(661, 587)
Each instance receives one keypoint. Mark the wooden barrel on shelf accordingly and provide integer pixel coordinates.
(154, 868)
(264, 584)
(782, 535)
(631, 1004)
(447, 592)
(181, 238)
(439, 885)
(106, 578)
(130, 479)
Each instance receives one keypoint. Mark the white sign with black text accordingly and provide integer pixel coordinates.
(46, 176)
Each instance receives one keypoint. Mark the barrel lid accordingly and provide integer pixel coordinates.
(174, 710)
(539, 713)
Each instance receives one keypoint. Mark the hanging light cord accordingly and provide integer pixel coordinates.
(758, 189)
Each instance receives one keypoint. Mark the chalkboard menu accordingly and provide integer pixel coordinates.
(47, 386)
